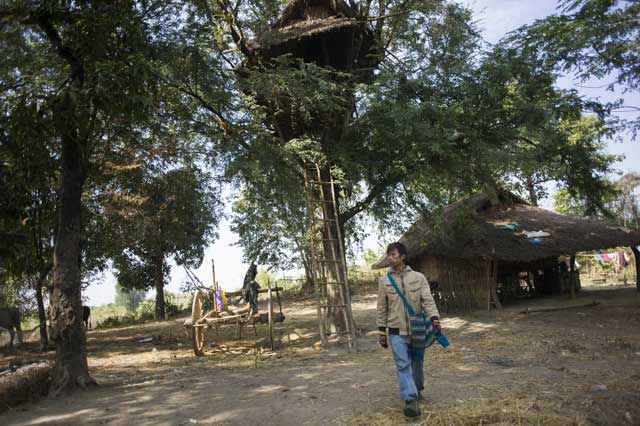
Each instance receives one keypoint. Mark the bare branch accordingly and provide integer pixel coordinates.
(595, 87)
(236, 32)
(223, 123)
(383, 17)
(13, 86)
(627, 108)
(361, 205)
(380, 22)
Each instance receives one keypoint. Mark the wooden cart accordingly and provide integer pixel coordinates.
(201, 320)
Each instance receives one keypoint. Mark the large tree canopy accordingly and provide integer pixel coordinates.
(138, 97)
(89, 83)
(621, 206)
(595, 39)
(439, 118)
(154, 217)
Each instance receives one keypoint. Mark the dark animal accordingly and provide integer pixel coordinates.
(10, 321)
(86, 314)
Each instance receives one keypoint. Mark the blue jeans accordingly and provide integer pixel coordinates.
(410, 368)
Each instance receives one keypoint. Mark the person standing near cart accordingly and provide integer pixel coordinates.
(393, 319)
(250, 288)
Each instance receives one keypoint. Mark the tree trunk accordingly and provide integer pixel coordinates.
(531, 188)
(42, 316)
(159, 284)
(67, 331)
(308, 284)
(306, 263)
(636, 257)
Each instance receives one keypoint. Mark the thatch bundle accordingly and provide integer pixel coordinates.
(27, 383)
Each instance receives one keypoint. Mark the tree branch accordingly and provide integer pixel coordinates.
(361, 205)
(13, 86)
(236, 32)
(630, 108)
(390, 15)
(223, 123)
(77, 69)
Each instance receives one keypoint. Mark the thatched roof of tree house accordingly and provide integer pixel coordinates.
(325, 32)
(492, 228)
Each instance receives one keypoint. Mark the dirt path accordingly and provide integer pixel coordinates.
(578, 366)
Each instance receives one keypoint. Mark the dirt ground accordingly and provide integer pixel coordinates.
(578, 366)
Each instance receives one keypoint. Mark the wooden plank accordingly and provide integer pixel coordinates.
(242, 310)
(241, 292)
(265, 290)
(229, 319)
(208, 314)
(560, 308)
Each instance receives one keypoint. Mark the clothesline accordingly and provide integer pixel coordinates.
(618, 259)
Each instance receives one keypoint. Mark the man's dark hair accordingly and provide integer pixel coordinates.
(402, 250)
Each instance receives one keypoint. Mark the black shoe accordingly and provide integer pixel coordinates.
(411, 409)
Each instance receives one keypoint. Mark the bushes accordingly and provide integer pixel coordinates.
(173, 307)
(118, 320)
(117, 316)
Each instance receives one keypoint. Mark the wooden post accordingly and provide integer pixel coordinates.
(270, 316)
(559, 278)
(493, 284)
(636, 256)
(239, 329)
(488, 279)
(214, 286)
(572, 283)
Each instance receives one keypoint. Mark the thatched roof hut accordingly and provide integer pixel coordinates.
(485, 234)
(324, 32)
(479, 227)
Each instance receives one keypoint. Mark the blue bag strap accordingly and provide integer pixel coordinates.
(440, 337)
(404, 299)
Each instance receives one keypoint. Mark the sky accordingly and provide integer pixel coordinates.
(495, 18)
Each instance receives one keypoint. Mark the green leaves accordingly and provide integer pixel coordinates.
(439, 119)
(170, 213)
(591, 38)
(169, 90)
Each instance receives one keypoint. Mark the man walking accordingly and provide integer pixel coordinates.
(393, 317)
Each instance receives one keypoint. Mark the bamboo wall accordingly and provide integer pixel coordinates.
(464, 284)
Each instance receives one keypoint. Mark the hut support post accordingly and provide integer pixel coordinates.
(636, 256)
(492, 282)
(572, 283)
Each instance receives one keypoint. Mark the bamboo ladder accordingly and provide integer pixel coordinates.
(324, 231)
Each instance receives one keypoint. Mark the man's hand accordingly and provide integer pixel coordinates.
(437, 326)
(382, 340)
